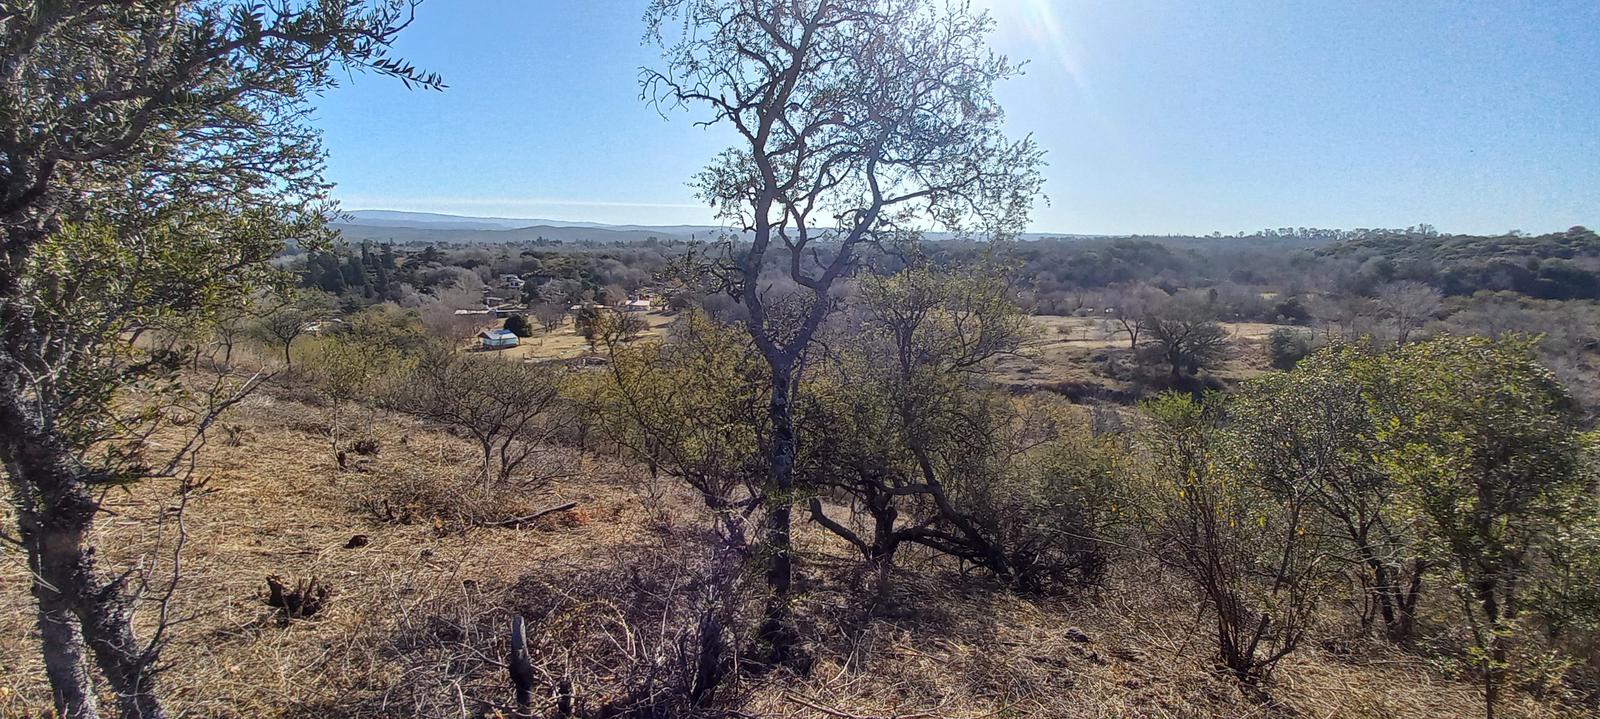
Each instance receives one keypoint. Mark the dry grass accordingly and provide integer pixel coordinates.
(565, 342)
(1085, 357)
(416, 624)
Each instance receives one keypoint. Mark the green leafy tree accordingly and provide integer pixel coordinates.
(1286, 346)
(519, 326)
(692, 406)
(1486, 441)
(154, 155)
(906, 430)
(1312, 433)
(587, 322)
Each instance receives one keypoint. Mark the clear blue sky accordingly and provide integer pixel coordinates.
(1157, 115)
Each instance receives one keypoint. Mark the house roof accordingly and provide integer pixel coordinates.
(498, 335)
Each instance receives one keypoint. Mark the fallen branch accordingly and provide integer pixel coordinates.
(519, 521)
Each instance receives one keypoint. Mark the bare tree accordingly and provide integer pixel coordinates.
(1131, 306)
(1186, 337)
(618, 326)
(441, 319)
(1409, 305)
(856, 119)
(228, 327)
(1345, 317)
(287, 322)
(550, 315)
(506, 407)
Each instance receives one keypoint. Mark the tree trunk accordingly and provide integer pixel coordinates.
(884, 543)
(1487, 595)
(121, 658)
(77, 608)
(776, 626)
(71, 688)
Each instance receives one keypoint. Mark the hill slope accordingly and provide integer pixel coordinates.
(422, 598)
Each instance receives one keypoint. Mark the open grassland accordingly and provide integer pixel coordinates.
(564, 342)
(422, 593)
(1090, 357)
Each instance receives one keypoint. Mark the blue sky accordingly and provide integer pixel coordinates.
(1157, 115)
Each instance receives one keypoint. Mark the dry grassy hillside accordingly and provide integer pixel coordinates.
(421, 596)
(1086, 357)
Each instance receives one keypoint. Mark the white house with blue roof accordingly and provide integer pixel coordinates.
(498, 339)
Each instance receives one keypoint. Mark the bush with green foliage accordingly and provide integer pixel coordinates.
(1312, 433)
(519, 326)
(1486, 442)
(1251, 554)
(1286, 346)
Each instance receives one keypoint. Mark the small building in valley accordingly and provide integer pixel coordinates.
(498, 339)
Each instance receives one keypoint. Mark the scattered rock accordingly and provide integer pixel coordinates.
(357, 542)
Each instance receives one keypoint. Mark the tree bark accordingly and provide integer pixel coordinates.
(71, 687)
(776, 627)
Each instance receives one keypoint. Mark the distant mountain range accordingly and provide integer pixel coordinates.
(414, 227)
(398, 226)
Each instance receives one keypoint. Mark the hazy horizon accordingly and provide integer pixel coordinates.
(579, 221)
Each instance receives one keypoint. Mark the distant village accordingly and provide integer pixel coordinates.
(504, 301)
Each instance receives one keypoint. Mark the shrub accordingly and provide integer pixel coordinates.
(508, 408)
(1292, 311)
(1286, 346)
(1248, 555)
(519, 326)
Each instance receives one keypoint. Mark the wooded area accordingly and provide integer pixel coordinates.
(867, 454)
